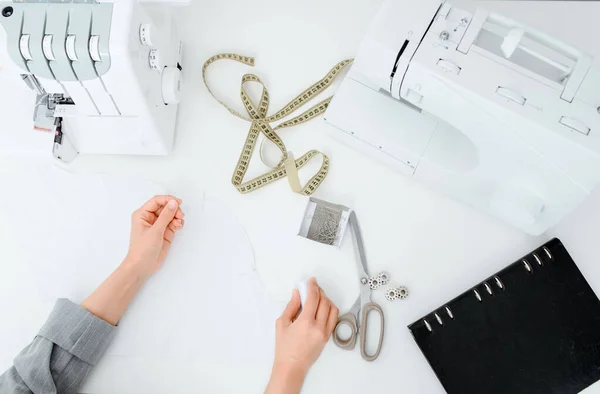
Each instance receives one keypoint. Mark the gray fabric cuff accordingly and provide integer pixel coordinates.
(76, 330)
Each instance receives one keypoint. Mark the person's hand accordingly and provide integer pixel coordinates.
(300, 341)
(153, 227)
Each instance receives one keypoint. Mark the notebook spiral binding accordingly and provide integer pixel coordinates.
(534, 256)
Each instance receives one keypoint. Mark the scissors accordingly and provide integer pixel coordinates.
(356, 318)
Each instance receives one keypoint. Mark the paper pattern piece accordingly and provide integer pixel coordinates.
(206, 303)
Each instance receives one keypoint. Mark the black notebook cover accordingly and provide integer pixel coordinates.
(534, 327)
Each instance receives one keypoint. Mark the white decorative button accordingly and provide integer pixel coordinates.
(575, 125)
(47, 47)
(171, 85)
(94, 48)
(70, 47)
(154, 59)
(146, 34)
(24, 47)
(511, 95)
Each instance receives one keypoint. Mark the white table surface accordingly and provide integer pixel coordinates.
(428, 242)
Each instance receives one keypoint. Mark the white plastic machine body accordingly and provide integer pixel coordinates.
(487, 110)
(118, 67)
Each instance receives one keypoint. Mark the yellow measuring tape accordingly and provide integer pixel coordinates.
(260, 123)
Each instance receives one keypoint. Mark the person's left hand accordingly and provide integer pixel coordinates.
(153, 228)
(299, 342)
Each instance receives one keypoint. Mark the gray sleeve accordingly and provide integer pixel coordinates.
(57, 361)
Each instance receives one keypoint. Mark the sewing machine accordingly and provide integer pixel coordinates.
(483, 108)
(107, 74)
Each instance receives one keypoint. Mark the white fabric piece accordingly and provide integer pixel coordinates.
(206, 303)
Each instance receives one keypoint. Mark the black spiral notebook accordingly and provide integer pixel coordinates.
(534, 327)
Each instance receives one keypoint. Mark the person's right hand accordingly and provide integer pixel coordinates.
(300, 341)
(153, 228)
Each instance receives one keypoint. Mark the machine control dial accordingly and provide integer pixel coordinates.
(154, 59)
(146, 34)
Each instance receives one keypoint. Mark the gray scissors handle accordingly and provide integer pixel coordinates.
(347, 319)
(370, 307)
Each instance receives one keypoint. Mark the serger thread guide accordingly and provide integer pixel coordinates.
(107, 74)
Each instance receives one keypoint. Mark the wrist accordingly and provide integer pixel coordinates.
(135, 268)
(287, 377)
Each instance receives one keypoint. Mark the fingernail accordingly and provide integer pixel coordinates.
(172, 204)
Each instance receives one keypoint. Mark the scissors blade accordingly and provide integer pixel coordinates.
(361, 264)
